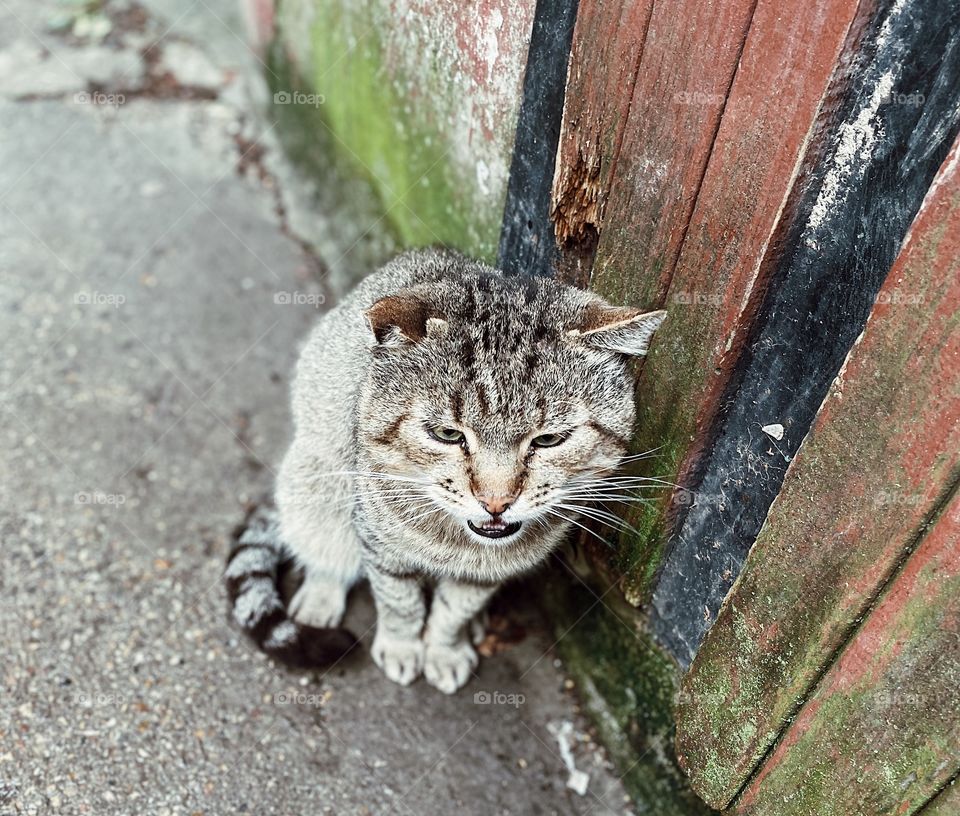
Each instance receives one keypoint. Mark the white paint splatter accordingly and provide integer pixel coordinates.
(483, 177)
(856, 140)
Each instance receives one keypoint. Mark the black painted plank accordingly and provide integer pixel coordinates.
(901, 114)
(527, 240)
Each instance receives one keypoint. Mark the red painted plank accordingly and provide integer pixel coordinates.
(712, 259)
(607, 46)
(688, 62)
(885, 445)
(881, 733)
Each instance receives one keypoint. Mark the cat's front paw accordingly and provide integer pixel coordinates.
(319, 603)
(448, 668)
(401, 660)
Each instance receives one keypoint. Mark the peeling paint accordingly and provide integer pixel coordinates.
(856, 142)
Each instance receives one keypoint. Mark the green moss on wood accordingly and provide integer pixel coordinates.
(629, 688)
(947, 802)
(639, 550)
(880, 733)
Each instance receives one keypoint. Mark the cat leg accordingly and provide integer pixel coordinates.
(321, 599)
(315, 524)
(397, 647)
(450, 657)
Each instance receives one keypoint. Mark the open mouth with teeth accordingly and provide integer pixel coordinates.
(494, 528)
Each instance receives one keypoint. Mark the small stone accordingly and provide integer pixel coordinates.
(578, 782)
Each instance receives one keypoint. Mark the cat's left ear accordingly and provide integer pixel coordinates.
(618, 329)
(404, 318)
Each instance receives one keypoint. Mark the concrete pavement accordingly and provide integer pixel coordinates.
(153, 293)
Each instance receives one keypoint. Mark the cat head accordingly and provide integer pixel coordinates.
(502, 400)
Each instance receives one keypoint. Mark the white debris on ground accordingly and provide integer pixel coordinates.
(563, 732)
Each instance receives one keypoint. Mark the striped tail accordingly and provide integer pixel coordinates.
(252, 578)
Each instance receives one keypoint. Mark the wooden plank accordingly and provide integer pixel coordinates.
(757, 156)
(688, 62)
(883, 154)
(882, 731)
(872, 470)
(607, 46)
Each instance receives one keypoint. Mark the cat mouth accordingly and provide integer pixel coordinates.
(494, 528)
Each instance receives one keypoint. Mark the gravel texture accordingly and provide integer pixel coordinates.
(144, 265)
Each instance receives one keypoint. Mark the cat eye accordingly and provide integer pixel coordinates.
(450, 436)
(550, 440)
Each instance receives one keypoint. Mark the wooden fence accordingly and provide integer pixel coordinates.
(774, 177)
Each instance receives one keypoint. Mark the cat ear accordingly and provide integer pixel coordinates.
(396, 320)
(616, 328)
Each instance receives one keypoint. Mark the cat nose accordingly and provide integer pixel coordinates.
(495, 505)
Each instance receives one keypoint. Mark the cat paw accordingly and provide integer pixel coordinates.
(318, 603)
(448, 668)
(401, 660)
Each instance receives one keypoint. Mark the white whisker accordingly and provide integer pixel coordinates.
(600, 516)
(560, 515)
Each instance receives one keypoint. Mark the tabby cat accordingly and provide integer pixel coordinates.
(452, 423)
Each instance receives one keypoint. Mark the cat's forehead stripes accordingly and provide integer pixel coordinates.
(507, 356)
(503, 352)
